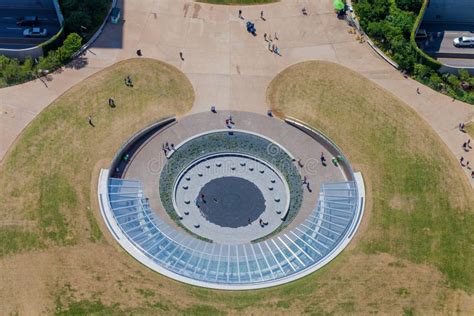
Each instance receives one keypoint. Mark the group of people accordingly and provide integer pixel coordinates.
(466, 146)
(271, 45)
(166, 147)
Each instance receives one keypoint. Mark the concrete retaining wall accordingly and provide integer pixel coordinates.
(21, 54)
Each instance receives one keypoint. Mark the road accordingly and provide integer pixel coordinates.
(11, 35)
(440, 42)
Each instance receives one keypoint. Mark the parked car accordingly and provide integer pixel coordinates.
(35, 32)
(27, 21)
(421, 35)
(464, 41)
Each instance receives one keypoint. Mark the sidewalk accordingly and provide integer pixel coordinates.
(227, 66)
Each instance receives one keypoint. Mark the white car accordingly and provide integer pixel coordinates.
(464, 41)
(35, 32)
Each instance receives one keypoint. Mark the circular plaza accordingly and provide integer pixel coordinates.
(231, 200)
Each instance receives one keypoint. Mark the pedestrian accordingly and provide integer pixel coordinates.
(307, 187)
(90, 121)
(111, 102)
(305, 180)
(275, 37)
(181, 56)
(323, 159)
(300, 163)
(240, 14)
(230, 120)
(167, 146)
(464, 146)
(172, 147)
(304, 11)
(467, 166)
(418, 90)
(261, 15)
(265, 36)
(213, 109)
(469, 143)
(461, 127)
(277, 51)
(227, 122)
(139, 52)
(462, 161)
(472, 174)
(260, 221)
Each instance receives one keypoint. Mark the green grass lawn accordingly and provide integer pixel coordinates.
(46, 178)
(422, 206)
(236, 2)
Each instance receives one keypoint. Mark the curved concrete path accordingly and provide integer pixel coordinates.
(228, 67)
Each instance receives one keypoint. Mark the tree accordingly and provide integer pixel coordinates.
(71, 44)
(422, 72)
(409, 5)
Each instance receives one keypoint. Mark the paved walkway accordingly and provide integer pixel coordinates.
(228, 67)
(148, 162)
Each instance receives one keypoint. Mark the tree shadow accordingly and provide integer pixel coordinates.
(78, 63)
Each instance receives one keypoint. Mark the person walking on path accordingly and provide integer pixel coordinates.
(181, 56)
(469, 144)
(305, 180)
(265, 37)
(139, 52)
(323, 159)
(461, 127)
(418, 90)
(467, 166)
(300, 164)
(304, 11)
(261, 16)
(277, 50)
(240, 15)
(462, 161)
(464, 146)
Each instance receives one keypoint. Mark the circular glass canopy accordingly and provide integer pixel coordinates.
(231, 201)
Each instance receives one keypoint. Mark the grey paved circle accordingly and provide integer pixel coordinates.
(231, 202)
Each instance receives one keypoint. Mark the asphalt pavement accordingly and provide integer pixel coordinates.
(440, 43)
(11, 34)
